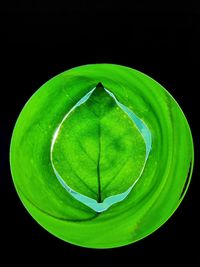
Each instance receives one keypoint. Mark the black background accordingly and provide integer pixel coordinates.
(41, 39)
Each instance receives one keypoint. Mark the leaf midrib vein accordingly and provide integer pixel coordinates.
(98, 165)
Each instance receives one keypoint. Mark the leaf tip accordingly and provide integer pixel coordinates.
(99, 86)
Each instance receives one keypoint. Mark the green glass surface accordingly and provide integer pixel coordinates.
(101, 155)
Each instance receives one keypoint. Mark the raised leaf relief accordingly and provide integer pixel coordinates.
(99, 150)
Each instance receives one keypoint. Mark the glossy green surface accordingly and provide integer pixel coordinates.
(99, 152)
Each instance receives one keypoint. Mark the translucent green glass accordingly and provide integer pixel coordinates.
(101, 155)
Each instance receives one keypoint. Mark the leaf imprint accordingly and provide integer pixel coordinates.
(99, 150)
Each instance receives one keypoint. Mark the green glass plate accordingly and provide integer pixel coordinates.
(101, 155)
